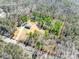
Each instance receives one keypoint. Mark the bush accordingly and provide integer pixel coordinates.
(39, 45)
(43, 20)
(24, 18)
(46, 34)
(57, 27)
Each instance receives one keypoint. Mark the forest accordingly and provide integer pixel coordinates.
(39, 29)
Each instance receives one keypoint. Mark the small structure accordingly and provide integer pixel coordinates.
(21, 33)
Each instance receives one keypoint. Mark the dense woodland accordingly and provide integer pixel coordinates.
(45, 12)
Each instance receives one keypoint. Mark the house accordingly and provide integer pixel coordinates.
(21, 33)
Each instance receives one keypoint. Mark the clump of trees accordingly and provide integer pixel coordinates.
(39, 45)
(24, 18)
(7, 26)
(11, 51)
(56, 27)
(48, 23)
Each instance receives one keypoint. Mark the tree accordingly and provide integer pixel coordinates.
(39, 45)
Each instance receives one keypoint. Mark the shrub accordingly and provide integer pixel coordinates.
(36, 35)
(46, 34)
(42, 19)
(56, 27)
(24, 18)
(39, 45)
